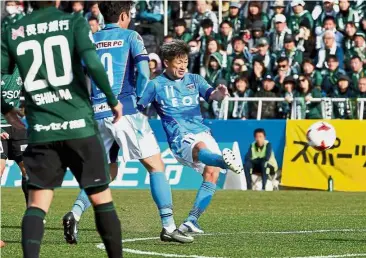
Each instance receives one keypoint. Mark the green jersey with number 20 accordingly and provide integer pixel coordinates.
(47, 46)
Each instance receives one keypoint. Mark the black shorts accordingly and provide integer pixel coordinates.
(14, 147)
(46, 163)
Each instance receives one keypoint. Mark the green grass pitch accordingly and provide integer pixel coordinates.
(238, 224)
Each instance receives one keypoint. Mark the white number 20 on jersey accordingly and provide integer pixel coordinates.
(60, 41)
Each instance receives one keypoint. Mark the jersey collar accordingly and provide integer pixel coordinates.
(111, 26)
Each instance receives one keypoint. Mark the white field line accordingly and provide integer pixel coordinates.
(133, 251)
(333, 256)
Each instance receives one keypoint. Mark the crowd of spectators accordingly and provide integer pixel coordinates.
(291, 49)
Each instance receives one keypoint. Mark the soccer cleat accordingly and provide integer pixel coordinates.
(191, 227)
(232, 161)
(175, 236)
(70, 228)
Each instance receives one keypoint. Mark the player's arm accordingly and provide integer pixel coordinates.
(268, 152)
(141, 60)
(207, 92)
(147, 96)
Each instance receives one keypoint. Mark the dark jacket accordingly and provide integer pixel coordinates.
(269, 108)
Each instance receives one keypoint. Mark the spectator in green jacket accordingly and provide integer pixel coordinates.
(12, 8)
(278, 10)
(359, 48)
(305, 109)
(234, 17)
(293, 55)
(331, 75)
(299, 14)
(225, 35)
(239, 48)
(260, 158)
(357, 71)
(348, 41)
(308, 68)
(214, 70)
(345, 109)
(289, 92)
(261, 52)
(202, 12)
(180, 26)
(237, 69)
(283, 70)
(240, 109)
(346, 14)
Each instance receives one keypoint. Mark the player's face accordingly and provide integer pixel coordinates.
(177, 67)
(259, 139)
(93, 26)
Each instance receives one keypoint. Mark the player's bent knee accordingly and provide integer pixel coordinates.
(153, 163)
(211, 174)
(197, 147)
(40, 198)
(99, 195)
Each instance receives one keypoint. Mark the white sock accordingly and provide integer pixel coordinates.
(170, 228)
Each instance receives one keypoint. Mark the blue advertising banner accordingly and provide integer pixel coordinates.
(134, 175)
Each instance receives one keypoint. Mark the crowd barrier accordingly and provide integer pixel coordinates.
(302, 166)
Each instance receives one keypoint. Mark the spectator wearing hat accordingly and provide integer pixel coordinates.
(255, 14)
(202, 12)
(277, 36)
(346, 14)
(240, 109)
(299, 14)
(327, 10)
(289, 91)
(308, 69)
(95, 12)
(257, 32)
(260, 158)
(225, 36)
(329, 23)
(329, 48)
(283, 70)
(269, 108)
(294, 55)
(237, 69)
(346, 109)
(239, 50)
(278, 8)
(261, 51)
(234, 17)
(194, 57)
(305, 109)
(306, 40)
(359, 48)
(331, 74)
(357, 71)
(257, 74)
(180, 32)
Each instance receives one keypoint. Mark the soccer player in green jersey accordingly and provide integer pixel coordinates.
(47, 46)
(13, 140)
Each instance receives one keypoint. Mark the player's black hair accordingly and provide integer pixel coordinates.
(111, 10)
(259, 130)
(226, 22)
(180, 22)
(282, 59)
(334, 57)
(329, 18)
(206, 23)
(176, 48)
(92, 18)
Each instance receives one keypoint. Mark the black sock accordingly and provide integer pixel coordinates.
(32, 232)
(25, 189)
(109, 228)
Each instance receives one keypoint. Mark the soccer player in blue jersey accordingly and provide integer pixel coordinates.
(121, 51)
(175, 95)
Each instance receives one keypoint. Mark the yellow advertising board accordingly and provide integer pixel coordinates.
(306, 167)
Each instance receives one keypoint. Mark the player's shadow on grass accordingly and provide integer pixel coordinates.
(49, 228)
(363, 241)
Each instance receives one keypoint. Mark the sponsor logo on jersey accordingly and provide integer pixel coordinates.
(74, 124)
(42, 28)
(98, 108)
(15, 33)
(191, 87)
(11, 94)
(109, 44)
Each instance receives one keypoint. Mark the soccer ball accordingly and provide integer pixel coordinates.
(321, 135)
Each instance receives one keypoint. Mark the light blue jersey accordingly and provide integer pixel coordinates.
(119, 50)
(178, 104)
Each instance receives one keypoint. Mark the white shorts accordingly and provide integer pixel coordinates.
(184, 154)
(132, 133)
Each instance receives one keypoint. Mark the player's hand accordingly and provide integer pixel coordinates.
(4, 135)
(117, 112)
(13, 118)
(223, 90)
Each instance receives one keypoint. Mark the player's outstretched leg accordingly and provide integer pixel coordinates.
(162, 196)
(203, 200)
(71, 219)
(32, 224)
(106, 220)
(228, 160)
